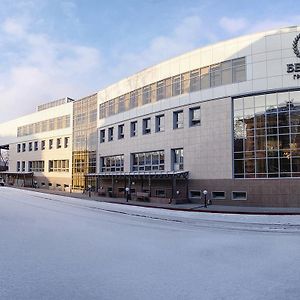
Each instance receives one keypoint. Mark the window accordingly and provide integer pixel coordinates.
(178, 119)
(239, 195)
(177, 159)
(160, 193)
(160, 90)
(23, 147)
(111, 107)
(134, 99)
(102, 110)
(23, 166)
(195, 116)
(121, 104)
(215, 75)
(266, 135)
(226, 72)
(66, 142)
(112, 163)
(148, 161)
(18, 166)
(218, 195)
(59, 165)
(110, 134)
(43, 145)
(195, 80)
(239, 69)
(204, 78)
(121, 131)
(19, 148)
(146, 94)
(102, 135)
(50, 144)
(160, 123)
(58, 143)
(30, 146)
(195, 194)
(133, 128)
(36, 146)
(36, 166)
(147, 126)
(176, 85)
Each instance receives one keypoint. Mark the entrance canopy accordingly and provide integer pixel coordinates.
(166, 175)
(4, 147)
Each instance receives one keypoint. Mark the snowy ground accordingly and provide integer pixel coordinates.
(54, 247)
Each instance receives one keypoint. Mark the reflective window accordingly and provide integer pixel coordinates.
(112, 163)
(177, 159)
(178, 119)
(148, 161)
(267, 135)
(222, 73)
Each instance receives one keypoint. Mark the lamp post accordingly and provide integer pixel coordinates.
(205, 199)
(89, 189)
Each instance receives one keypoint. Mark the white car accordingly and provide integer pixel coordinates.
(1, 181)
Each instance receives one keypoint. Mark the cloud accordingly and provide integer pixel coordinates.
(187, 35)
(233, 25)
(42, 69)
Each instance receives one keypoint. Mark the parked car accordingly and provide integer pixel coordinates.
(1, 181)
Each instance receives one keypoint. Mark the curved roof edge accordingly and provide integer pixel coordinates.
(286, 29)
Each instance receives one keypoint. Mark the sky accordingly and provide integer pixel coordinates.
(50, 49)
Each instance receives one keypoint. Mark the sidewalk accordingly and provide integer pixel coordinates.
(196, 207)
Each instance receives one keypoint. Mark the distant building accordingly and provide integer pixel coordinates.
(225, 118)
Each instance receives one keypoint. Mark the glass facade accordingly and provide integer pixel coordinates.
(267, 135)
(84, 140)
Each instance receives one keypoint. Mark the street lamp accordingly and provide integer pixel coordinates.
(205, 199)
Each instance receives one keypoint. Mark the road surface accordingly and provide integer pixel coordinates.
(54, 247)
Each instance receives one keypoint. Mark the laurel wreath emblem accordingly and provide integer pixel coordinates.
(295, 45)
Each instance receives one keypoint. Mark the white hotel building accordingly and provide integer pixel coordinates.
(225, 118)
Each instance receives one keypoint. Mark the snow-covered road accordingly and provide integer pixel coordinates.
(54, 247)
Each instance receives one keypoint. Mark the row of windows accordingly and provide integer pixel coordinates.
(39, 166)
(178, 122)
(44, 126)
(143, 161)
(227, 72)
(54, 103)
(34, 146)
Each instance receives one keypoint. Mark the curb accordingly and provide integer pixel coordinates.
(216, 211)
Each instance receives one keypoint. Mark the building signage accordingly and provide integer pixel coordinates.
(295, 67)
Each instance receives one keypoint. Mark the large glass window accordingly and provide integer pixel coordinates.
(112, 163)
(59, 165)
(266, 135)
(36, 166)
(148, 161)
